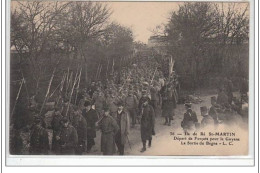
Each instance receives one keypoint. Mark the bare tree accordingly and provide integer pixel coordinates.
(82, 22)
(32, 33)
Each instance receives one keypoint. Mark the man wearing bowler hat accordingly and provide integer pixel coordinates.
(91, 117)
(123, 124)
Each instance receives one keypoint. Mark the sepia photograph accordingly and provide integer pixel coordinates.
(100, 78)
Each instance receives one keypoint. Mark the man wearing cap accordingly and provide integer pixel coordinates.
(147, 123)
(39, 141)
(68, 138)
(189, 119)
(207, 120)
(109, 128)
(91, 117)
(123, 124)
(131, 104)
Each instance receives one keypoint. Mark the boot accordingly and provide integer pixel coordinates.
(166, 121)
(150, 143)
(144, 147)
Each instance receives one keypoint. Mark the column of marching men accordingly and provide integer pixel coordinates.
(112, 108)
(115, 108)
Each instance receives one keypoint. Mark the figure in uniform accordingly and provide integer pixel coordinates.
(68, 138)
(39, 141)
(207, 120)
(109, 128)
(168, 104)
(131, 104)
(91, 117)
(123, 124)
(147, 123)
(190, 119)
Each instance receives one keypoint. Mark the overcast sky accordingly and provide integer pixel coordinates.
(141, 16)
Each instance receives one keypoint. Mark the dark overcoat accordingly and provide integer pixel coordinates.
(168, 103)
(91, 117)
(189, 118)
(68, 140)
(39, 141)
(147, 122)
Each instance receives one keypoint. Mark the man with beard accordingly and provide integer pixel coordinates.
(91, 117)
(123, 123)
(147, 123)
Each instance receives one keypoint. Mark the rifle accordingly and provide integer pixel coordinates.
(49, 86)
(76, 77)
(18, 94)
(78, 86)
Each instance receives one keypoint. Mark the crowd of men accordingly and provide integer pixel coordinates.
(115, 108)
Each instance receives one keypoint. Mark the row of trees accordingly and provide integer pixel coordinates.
(203, 38)
(48, 35)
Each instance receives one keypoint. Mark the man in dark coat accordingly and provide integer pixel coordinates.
(80, 124)
(91, 117)
(68, 138)
(190, 118)
(123, 123)
(168, 104)
(39, 141)
(56, 127)
(147, 123)
(109, 128)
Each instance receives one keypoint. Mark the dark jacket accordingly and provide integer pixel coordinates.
(68, 140)
(39, 141)
(91, 117)
(189, 118)
(147, 122)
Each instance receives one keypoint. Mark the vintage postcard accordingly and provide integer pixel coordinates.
(100, 78)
